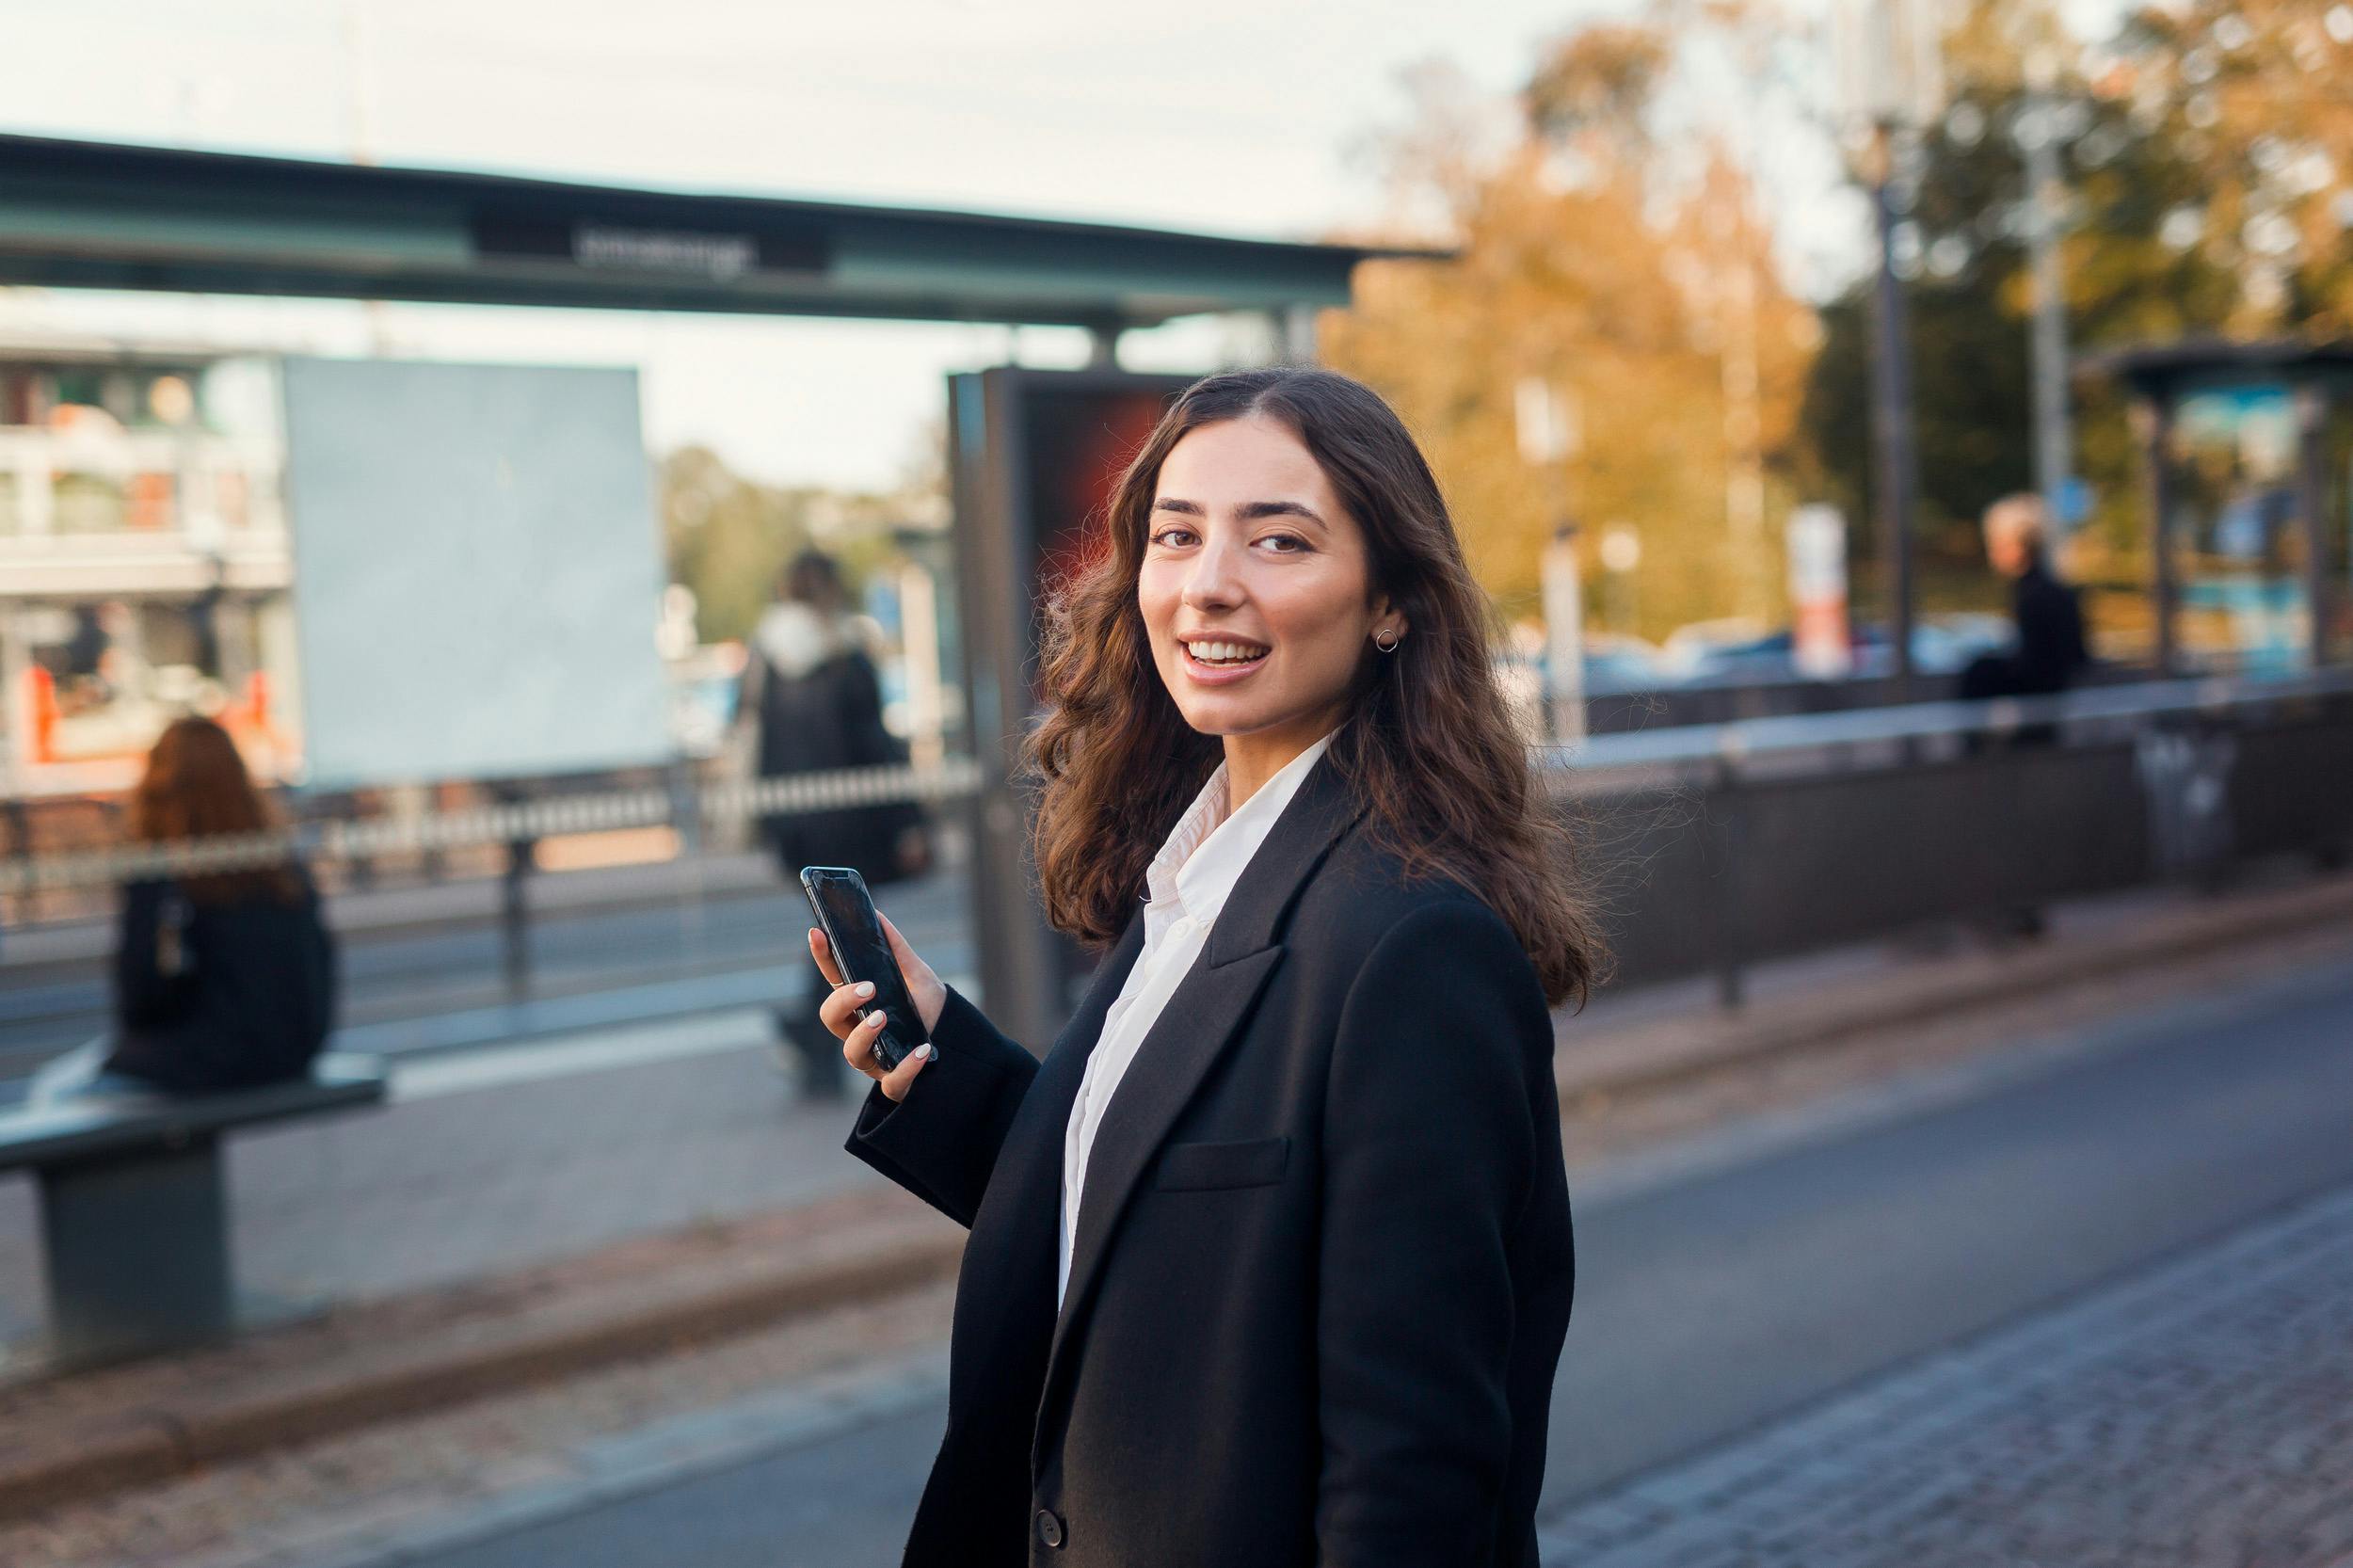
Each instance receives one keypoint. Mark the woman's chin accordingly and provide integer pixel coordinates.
(1216, 718)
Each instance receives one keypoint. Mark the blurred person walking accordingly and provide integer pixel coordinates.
(1270, 1259)
(2045, 659)
(811, 694)
(223, 979)
(2048, 616)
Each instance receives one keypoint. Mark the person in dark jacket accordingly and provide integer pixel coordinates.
(223, 979)
(811, 694)
(1270, 1259)
(2049, 618)
(2045, 660)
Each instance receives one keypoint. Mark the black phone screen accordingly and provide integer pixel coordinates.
(846, 912)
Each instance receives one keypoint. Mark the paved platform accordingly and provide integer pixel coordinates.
(1736, 1286)
(2197, 1414)
(490, 1161)
(442, 1188)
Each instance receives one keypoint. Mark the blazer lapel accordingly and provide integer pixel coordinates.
(1031, 1163)
(1111, 973)
(1192, 1030)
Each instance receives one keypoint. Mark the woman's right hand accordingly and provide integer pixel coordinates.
(845, 1011)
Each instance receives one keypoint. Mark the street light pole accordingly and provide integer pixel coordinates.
(1895, 462)
(1549, 434)
(1891, 60)
(2053, 439)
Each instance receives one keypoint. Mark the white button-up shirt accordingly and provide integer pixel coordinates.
(1186, 886)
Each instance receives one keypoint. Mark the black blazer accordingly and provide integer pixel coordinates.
(1323, 1265)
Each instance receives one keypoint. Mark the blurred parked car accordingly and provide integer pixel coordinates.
(1736, 653)
(703, 686)
(1940, 643)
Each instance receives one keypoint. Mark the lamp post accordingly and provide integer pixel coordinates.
(2038, 139)
(1893, 81)
(1550, 436)
(1621, 553)
(1896, 463)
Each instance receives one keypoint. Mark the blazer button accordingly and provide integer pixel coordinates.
(1048, 1527)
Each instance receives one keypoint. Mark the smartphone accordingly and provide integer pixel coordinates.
(845, 913)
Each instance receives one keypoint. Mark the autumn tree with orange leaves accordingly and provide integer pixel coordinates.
(1641, 285)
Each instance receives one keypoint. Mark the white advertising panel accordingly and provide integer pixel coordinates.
(477, 574)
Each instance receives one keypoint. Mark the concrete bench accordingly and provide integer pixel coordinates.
(134, 1213)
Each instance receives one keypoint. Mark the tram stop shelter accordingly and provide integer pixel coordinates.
(83, 214)
(2248, 453)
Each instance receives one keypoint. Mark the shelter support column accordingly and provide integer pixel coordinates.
(2312, 510)
(2153, 416)
(1293, 329)
(1103, 345)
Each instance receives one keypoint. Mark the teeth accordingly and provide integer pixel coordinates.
(1230, 652)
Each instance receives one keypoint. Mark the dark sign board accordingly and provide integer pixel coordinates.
(1035, 456)
(620, 245)
(1076, 440)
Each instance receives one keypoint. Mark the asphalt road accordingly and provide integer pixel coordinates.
(1710, 1302)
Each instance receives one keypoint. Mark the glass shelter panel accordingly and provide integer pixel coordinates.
(2236, 534)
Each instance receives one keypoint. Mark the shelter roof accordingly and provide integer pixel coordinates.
(2166, 369)
(77, 213)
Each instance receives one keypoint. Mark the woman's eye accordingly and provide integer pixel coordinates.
(1161, 538)
(1293, 539)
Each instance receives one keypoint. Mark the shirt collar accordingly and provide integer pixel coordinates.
(1206, 851)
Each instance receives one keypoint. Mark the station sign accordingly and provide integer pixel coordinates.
(614, 245)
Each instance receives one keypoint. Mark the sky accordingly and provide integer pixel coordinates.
(1241, 117)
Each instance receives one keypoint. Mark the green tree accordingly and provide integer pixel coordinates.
(2253, 95)
(726, 537)
(2130, 275)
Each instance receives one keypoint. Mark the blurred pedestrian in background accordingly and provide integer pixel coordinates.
(2045, 658)
(223, 979)
(2049, 651)
(812, 692)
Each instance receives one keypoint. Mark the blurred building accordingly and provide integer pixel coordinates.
(145, 569)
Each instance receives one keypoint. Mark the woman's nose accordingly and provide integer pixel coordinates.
(1213, 580)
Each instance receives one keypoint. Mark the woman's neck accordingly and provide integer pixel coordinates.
(1251, 760)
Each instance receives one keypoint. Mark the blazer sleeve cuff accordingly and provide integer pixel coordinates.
(941, 1141)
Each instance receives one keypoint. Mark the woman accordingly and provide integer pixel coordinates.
(223, 980)
(1270, 1259)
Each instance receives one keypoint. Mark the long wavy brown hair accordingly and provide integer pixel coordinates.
(1428, 745)
(196, 787)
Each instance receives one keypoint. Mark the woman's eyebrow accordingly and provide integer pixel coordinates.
(1250, 511)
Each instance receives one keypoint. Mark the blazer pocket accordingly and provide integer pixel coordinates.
(1206, 1167)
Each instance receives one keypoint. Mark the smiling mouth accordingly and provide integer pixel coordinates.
(1221, 654)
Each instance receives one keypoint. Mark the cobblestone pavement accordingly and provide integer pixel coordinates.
(2198, 1415)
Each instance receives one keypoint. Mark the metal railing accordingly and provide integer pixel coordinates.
(692, 811)
(1718, 847)
(1715, 846)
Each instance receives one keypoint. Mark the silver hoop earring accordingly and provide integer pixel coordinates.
(1389, 646)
